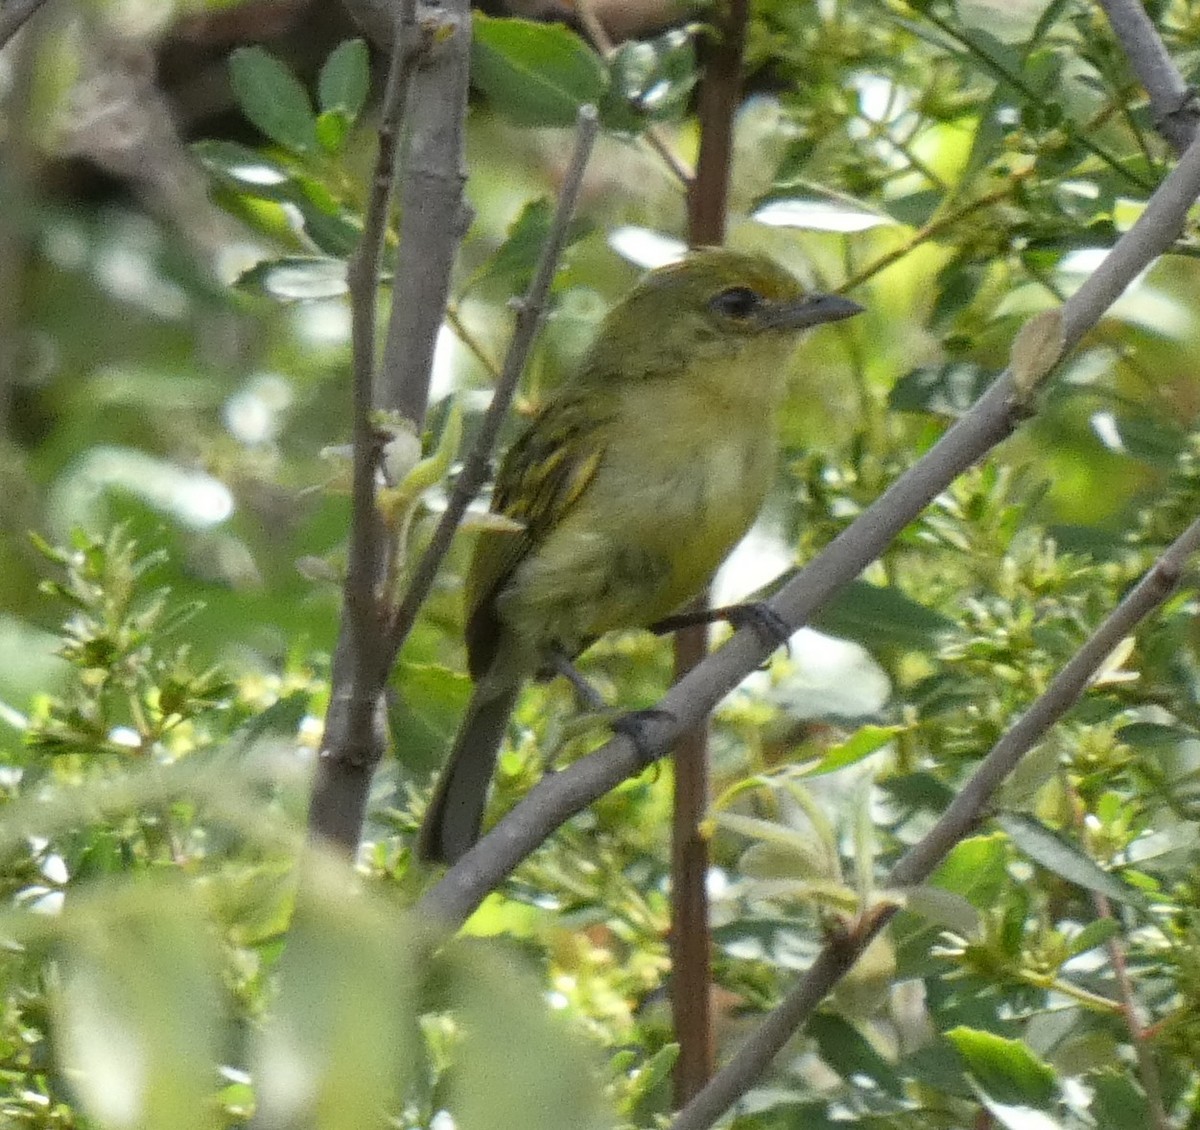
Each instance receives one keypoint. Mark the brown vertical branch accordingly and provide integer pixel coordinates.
(691, 936)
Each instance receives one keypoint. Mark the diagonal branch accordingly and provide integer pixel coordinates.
(1176, 108)
(963, 815)
(558, 797)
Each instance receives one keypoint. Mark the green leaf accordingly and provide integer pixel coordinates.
(649, 80)
(975, 869)
(245, 170)
(1094, 934)
(272, 98)
(862, 743)
(517, 256)
(336, 233)
(844, 1050)
(945, 390)
(1155, 442)
(345, 78)
(535, 74)
(1117, 1100)
(876, 616)
(346, 1008)
(295, 278)
(1005, 1069)
(518, 1064)
(333, 127)
(1065, 859)
(137, 963)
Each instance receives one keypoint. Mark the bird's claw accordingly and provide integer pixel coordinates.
(770, 626)
(633, 726)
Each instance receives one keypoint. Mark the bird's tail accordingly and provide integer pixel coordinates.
(455, 812)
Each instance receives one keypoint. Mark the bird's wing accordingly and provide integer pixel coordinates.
(543, 475)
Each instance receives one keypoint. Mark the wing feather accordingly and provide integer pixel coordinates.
(543, 476)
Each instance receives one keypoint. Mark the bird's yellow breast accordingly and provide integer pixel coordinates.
(686, 465)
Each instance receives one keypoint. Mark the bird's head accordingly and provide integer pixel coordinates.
(715, 303)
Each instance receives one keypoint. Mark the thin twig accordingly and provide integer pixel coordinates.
(531, 311)
(1000, 71)
(935, 227)
(1131, 1011)
(353, 737)
(14, 15)
(650, 135)
(463, 332)
(1176, 108)
(960, 818)
(363, 271)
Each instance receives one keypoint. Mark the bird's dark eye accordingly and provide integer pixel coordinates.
(736, 302)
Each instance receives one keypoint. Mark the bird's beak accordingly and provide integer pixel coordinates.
(811, 310)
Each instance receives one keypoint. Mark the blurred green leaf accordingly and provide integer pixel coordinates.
(975, 868)
(272, 98)
(333, 127)
(847, 1053)
(876, 616)
(344, 79)
(945, 390)
(861, 744)
(518, 1065)
(295, 278)
(649, 80)
(514, 260)
(347, 1009)
(1006, 1069)
(138, 1008)
(535, 74)
(245, 170)
(1117, 1100)
(1064, 858)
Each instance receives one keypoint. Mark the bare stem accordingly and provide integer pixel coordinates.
(717, 101)
(1176, 108)
(531, 311)
(353, 734)
(363, 277)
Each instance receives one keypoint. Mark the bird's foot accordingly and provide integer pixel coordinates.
(635, 726)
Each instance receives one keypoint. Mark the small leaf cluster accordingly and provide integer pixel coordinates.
(299, 191)
(131, 694)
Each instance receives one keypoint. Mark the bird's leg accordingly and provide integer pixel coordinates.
(588, 696)
(632, 724)
(757, 614)
(633, 727)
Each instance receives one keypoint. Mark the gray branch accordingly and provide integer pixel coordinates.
(354, 724)
(559, 796)
(962, 816)
(433, 214)
(1176, 109)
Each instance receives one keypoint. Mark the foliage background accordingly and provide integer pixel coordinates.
(963, 165)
